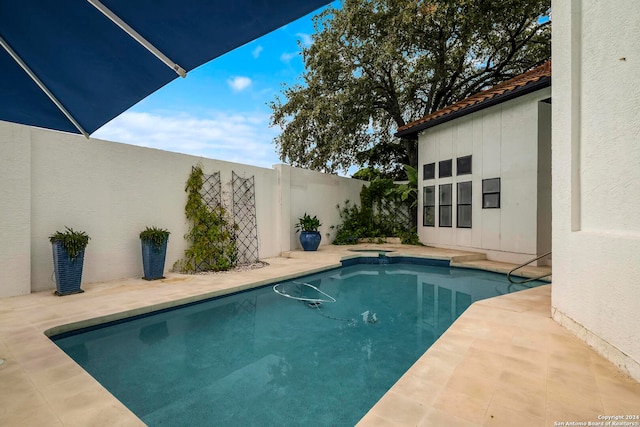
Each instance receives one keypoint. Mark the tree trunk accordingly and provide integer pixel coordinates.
(412, 151)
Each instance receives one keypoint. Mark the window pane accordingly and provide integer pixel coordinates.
(444, 168)
(445, 194)
(464, 193)
(491, 185)
(491, 200)
(429, 171)
(464, 216)
(430, 195)
(463, 165)
(429, 216)
(445, 216)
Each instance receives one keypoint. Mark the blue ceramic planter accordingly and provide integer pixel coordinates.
(310, 240)
(68, 272)
(153, 260)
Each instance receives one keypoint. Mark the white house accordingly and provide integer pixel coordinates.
(485, 170)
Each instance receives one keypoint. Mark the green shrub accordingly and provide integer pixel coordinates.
(306, 223)
(72, 241)
(356, 223)
(212, 234)
(376, 218)
(156, 236)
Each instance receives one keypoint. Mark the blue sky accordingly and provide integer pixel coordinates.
(220, 110)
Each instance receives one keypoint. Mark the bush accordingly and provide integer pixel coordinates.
(72, 241)
(375, 218)
(212, 234)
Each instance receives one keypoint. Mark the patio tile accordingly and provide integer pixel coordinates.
(400, 409)
(500, 415)
(462, 405)
(527, 404)
(418, 388)
(436, 417)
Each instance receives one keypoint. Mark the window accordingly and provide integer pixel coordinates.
(463, 165)
(429, 206)
(444, 168)
(491, 193)
(429, 171)
(445, 205)
(464, 205)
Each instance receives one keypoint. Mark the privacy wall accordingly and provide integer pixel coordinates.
(596, 175)
(49, 180)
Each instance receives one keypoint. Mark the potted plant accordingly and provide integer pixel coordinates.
(154, 251)
(309, 235)
(68, 259)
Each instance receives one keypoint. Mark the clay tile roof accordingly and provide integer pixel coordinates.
(529, 81)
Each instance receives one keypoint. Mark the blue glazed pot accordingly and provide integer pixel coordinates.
(68, 272)
(153, 260)
(310, 240)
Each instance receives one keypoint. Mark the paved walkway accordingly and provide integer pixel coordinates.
(504, 361)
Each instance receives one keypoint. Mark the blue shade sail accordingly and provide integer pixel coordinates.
(97, 71)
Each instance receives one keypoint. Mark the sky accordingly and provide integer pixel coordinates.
(220, 110)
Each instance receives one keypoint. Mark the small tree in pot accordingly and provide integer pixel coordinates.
(309, 235)
(68, 259)
(154, 251)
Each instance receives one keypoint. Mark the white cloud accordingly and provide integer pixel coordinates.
(305, 39)
(242, 137)
(239, 83)
(257, 51)
(288, 56)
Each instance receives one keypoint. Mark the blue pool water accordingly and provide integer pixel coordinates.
(259, 358)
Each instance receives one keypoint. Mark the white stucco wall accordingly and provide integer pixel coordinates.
(15, 208)
(503, 141)
(596, 175)
(317, 194)
(49, 180)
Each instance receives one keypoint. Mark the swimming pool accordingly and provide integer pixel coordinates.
(258, 358)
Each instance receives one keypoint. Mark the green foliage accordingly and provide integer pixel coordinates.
(72, 241)
(410, 237)
(375, 65)
(156, 236)
(306, 223)
(377, 191)
(367, 222)
(407, 192)
(212, 235)
(356, 224)
(367, 174)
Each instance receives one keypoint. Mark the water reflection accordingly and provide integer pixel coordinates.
(154, 334)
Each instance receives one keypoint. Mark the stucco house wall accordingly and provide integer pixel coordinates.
(596, 175)
(510, 141)
(49, 180)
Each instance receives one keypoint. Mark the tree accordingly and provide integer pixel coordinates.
(376, 65)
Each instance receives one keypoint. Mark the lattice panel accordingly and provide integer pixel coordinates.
(244, 215)
(211, 191)
(398, 210)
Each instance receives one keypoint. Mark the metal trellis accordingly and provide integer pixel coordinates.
(244, 215)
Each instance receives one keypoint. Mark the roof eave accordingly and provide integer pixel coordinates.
(412, 132)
